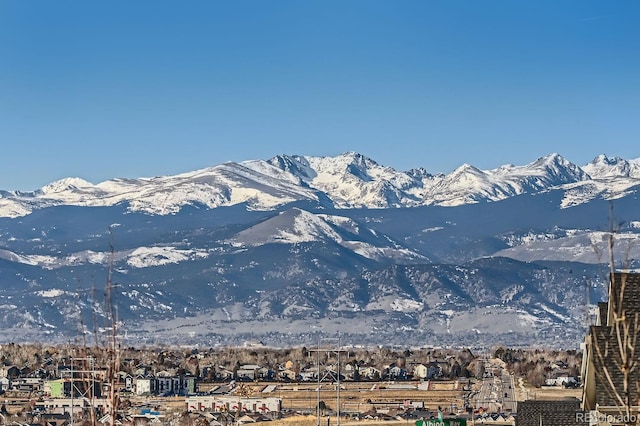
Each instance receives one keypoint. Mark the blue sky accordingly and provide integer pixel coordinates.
(144, 88)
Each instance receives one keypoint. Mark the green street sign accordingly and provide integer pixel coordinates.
(443, 422)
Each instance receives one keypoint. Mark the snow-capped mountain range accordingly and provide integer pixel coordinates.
(347, 181)
(284, 249)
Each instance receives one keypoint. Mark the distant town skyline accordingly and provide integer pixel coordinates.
(136, 89)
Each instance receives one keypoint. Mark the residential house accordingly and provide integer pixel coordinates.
(266, 374)
(40, 373)
(25, 371)
(168, 385)
(497, 420)
(142, 370)
(248, 372)
(164, 386)
(171, 372)
(603, 376)
(429, 371)
(396, 373)
(224, 375)
(61, 388)
(9, 371)
(309, 375)
(563, 379)
(420, 371)
(351, 371)
(125, 381)
(145, 385)
(287, 375)
(27, 384)
(370, 373)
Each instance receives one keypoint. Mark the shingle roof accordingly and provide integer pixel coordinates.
(607, 361)
(565, 412)
(624, 294)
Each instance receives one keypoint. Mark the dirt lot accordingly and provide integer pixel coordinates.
(361, 397)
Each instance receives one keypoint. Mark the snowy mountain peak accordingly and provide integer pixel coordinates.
(602, 159)
(551, 160)
(353, 157)
(295, 165)
(421, 173)
(467, 168)
(604, 167)
(562, 170)
(66, 184)
(350, 163)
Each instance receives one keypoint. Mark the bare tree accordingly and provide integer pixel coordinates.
(113, 342)
(614, 343)
(107, 351)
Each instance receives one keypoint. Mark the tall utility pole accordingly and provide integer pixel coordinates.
(338, 387)
(83, 376)
(335, 375)
(72, 421)
(318, 377)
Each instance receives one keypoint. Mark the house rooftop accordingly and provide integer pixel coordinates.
(558, 412)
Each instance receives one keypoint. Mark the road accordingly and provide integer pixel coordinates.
(497, 392)
(509, 404)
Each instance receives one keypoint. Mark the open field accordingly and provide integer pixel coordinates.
(525, 391)
(361, 397)
(553, 393)
(355, 397)
(312, 421)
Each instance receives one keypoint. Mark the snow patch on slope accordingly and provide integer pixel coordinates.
(406, 305)
(144, 257)
(607, 189)
(54, 292)
(28, 259)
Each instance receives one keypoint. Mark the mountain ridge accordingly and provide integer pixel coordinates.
(291, 248)
(349, 180)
